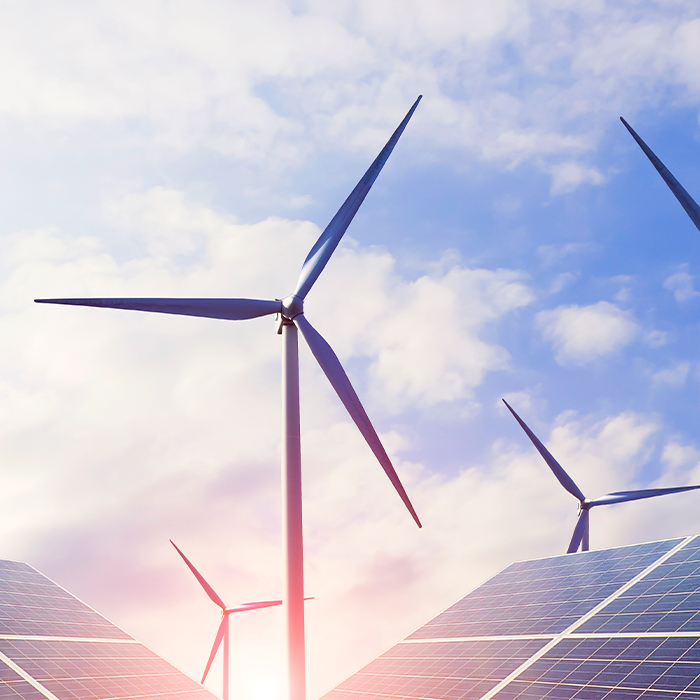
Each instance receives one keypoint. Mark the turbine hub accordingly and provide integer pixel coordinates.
(584, 505)
(292, 306)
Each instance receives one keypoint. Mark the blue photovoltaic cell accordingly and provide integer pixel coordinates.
(437, 670)
(31, 604)
(19, 690)
(101, 662)
(543, 596)
(667, 600)
(625, 666)
(551, 598)
(88, 670)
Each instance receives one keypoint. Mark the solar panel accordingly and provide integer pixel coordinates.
(54, 647)
(619, 624)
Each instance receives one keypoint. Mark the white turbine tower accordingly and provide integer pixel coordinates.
(580, 536)
(291, 314)
(222, 633)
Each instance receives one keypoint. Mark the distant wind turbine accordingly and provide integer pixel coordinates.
(223, 631)
(686, 201)
(580, 536)
(291, 315)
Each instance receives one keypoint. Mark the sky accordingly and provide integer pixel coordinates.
(517, 245)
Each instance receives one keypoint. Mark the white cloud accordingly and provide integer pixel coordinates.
(681, 284)
(567, 176)
(554, 253)
(581, 334)
(674, 376)
(656, 339)
(520, 400)
(562, 281)
(602, 456)
(261, 81)
(423, 336)
(676, 455)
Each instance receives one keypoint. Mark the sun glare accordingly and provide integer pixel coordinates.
(265, 689)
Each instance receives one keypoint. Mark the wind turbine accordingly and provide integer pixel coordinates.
(290, 311)
(223, 631)
(686, 201)
(580, 536)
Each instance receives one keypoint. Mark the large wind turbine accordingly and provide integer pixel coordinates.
(223, 631)
(580, 536)
(686, 201)
(291, 315)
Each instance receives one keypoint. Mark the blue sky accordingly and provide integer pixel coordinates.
(518, 244)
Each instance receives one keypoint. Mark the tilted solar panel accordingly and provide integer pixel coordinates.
(54, 647)
(618, 624)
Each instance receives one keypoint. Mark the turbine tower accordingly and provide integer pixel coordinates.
(290, 311)
(686, 201)
(223, 631)
(580, 536)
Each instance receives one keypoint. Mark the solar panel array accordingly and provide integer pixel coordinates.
(616, 624)
(54, 647)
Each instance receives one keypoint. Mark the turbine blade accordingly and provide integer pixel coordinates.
(328, 241)
(332, 368)
(229, 309)
(258, 605)
(564, 479)
(207, 588)
(255, 606)
(579, 532)
(215, 648)
(686, 201)
(624, 496)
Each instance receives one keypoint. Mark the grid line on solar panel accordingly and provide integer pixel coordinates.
(26, 682)
(544, 596)
(485, 638)
(659, 561)
(30, 603)
(572, 587)
(668, 600)
(437, 670)
(92, 640)
(20, 690)
(81, 670)
(613, 665)
(60, 649)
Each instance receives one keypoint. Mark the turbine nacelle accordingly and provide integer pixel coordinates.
(292, 306)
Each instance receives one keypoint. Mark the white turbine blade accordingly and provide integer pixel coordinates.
(215, 648)
(229, 309)
(258, 605)
(207, 588)
(685, 200)
(564, 479)
(323, 248)
(579, 532)
(255, 606)
(624, 496)
(332, 368)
